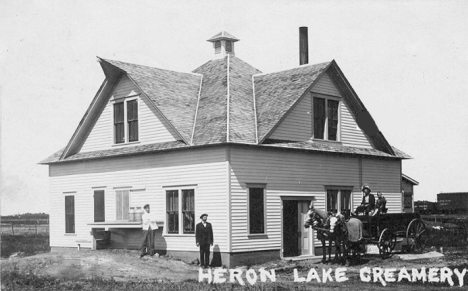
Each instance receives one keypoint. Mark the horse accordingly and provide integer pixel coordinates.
(347, 233)
(319, 220)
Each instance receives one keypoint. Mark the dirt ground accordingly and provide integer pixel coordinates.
(125, 265)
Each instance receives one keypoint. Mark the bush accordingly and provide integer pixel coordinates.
(27, 244)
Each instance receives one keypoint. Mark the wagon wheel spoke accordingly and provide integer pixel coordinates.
(416, 235)
(387, 242)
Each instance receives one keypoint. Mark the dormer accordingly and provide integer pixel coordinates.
(223, 44)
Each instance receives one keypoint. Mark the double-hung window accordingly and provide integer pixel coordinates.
(339, 199)
(326, 118)
(256, 204)
(180, 211)
(69, 214)
(126, 121)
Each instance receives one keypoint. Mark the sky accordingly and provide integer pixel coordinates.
(407, 61)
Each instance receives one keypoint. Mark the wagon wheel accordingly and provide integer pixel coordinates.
(416, 235)
(387, 243)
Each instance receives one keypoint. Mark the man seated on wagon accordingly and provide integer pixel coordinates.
(368, 201)
(380, 204)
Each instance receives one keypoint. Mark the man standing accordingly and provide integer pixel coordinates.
(204, 239)
(368, 201)
(149, 227)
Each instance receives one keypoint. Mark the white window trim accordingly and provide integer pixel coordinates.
(125, 100)
(248, 187)
(325, 132)
(179, 189)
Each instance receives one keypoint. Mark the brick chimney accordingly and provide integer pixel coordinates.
(303, 46)
(223, 44)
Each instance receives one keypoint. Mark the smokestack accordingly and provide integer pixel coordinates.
(303, 46)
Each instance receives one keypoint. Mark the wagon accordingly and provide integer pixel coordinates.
(386, 229)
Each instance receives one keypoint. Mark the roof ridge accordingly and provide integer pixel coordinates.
(294, 68)
(145, 66)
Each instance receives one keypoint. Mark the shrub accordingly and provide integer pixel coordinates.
(28, 244)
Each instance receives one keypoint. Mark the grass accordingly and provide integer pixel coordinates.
(26, 244)
(447, 237)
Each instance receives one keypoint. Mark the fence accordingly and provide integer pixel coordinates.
(25, 227)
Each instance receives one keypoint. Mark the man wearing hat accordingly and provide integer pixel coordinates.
(204, 238)
(368, 201)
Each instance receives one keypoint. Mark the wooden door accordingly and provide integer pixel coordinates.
(304, 235)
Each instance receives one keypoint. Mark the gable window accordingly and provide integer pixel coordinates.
(126, 121)
(180, 211)
(69, 214)
(122, 204)
(326, 118)
(339, 200)
(256, 203)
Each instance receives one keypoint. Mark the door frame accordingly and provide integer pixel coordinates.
(311, 231)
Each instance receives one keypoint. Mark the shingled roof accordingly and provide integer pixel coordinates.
(223, 101)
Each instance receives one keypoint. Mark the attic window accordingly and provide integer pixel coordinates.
(229, 46)
(126, 121)
(218, 47)
(326, 119)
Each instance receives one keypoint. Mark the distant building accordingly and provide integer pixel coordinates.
(453, 202)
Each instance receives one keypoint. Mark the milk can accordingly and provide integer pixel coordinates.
(131, 214)
(138, 214)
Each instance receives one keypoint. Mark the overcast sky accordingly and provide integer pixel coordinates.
(407, 61)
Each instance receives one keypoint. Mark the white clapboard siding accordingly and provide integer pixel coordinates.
(285, 174)
(326, 86)
(147, 177)
(297, 126)
(153, 128)
(351, 134)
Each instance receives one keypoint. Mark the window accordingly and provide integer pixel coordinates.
(326, 118)
(172, 211)
(188, 209)
(339, 200)
(228, 46)
(99, 206)
(119, 126)
(122, 204)
(256, 211)
(69, 214)
(180, 209)
(217, 47)
(126, 121)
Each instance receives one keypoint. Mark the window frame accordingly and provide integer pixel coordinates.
(126, 121)
(67, 215)
(339, 197)
(124, 214)
(264, 219)
(326, 122)
(181, 211)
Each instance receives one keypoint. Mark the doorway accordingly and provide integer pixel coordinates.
(297, 240)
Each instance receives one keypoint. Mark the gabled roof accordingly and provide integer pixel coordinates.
(222, 35)
(409, 179)
(223, 101)
(175, 94)
(277, 93)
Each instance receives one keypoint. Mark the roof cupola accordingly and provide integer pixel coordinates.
(223, 44)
